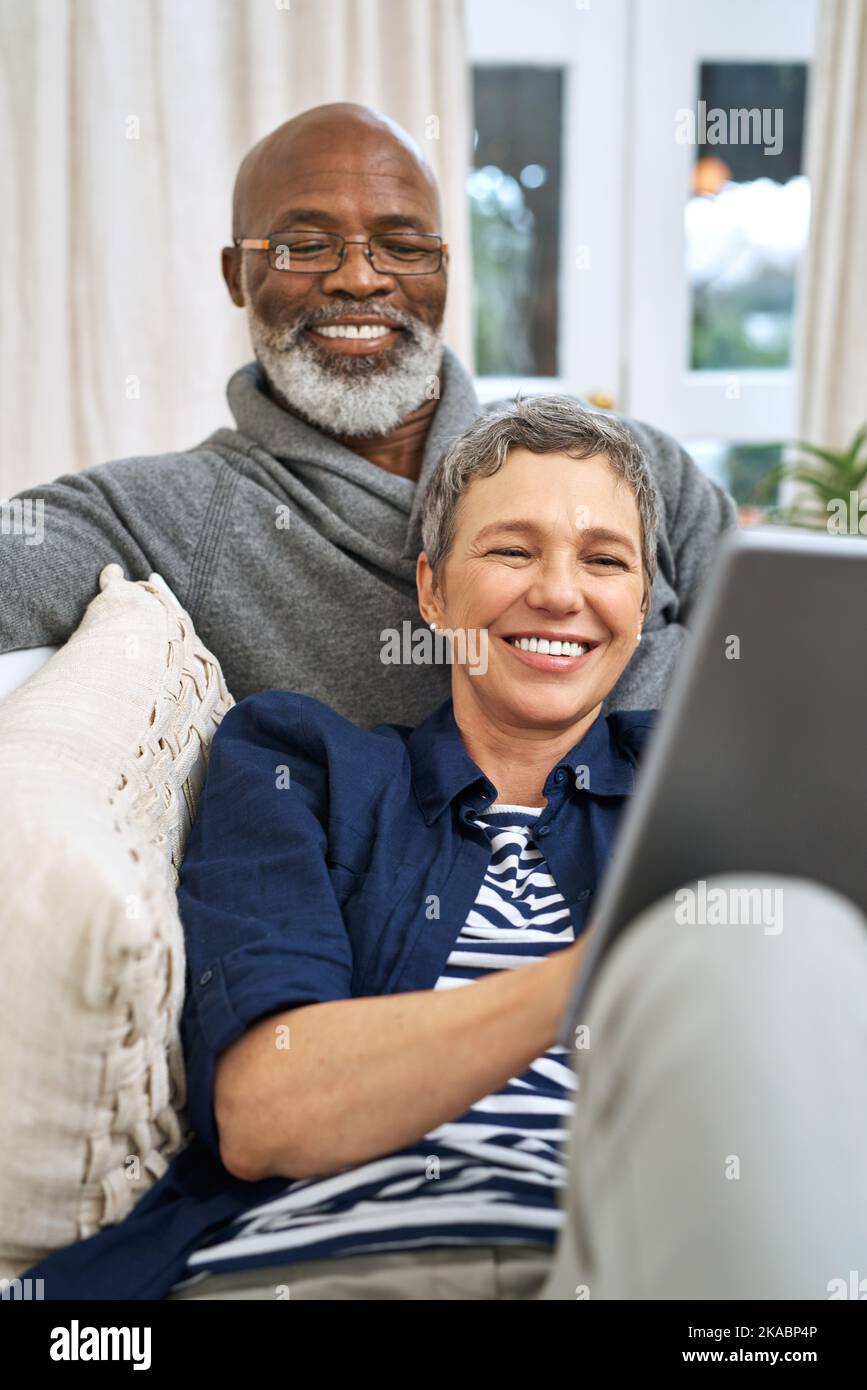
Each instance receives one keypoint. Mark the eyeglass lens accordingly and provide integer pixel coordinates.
(394, 253)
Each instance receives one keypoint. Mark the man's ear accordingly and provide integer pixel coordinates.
(231, 263)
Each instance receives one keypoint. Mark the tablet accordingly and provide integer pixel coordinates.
(758, 761)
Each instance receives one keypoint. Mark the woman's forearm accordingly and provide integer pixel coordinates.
(365, 1077)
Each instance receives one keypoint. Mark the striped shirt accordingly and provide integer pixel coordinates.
(491, 1176)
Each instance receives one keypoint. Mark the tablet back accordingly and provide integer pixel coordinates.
(759, 758)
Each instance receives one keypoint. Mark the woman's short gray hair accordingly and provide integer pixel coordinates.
(544, 425)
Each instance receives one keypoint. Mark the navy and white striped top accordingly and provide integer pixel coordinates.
(491, 1176)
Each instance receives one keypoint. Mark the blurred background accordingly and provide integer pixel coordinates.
(657, 205)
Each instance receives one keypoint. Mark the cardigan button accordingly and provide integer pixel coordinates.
(208, 975)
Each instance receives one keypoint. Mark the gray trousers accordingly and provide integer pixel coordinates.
(719, 1138)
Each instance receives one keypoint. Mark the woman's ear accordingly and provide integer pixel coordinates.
(424, 583)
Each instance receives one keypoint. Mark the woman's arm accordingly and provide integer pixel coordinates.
(365, 1077)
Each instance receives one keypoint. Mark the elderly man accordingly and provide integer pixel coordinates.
(292, 539)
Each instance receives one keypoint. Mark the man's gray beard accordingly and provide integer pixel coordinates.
(361, 396)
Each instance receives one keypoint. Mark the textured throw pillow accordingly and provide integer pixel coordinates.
(102, 756)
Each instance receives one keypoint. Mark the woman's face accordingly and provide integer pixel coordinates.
(549, 548)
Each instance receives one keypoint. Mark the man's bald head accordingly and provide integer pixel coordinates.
(340, 141)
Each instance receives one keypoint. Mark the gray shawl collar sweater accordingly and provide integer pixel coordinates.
(293, 555)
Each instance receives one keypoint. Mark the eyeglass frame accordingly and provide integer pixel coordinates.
(264, 244)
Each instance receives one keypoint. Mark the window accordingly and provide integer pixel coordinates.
(721, 210)
(647, 271)
(514, 193)
(742, 469)
(747, 214)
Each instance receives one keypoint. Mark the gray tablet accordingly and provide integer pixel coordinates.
(759, 759)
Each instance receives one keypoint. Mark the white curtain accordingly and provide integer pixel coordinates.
(121, 129)
(833, 338)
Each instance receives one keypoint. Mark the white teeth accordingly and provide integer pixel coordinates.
(353, 330)
(548, 647)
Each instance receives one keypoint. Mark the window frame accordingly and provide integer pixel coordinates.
(590, 47)
(627, 74)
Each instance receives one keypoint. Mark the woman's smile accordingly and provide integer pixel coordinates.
(544, 652)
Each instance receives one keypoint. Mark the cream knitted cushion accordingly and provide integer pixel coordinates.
(102, 755)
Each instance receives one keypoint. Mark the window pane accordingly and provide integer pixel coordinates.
(742, 469)
(748, 214)
(514, 192)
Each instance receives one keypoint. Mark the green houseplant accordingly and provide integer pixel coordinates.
(830, 480)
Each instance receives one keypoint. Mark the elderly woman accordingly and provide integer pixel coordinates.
(383, 928)
(342, 888)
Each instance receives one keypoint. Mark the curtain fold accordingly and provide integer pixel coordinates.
(833, 316)
(122, 129)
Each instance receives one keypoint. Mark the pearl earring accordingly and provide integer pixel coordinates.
(638, 638)
(433, 627)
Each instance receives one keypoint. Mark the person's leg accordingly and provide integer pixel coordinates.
(478, 1272)
(719, 1142)
(520, 1271)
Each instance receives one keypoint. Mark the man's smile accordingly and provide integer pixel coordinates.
(355, 334)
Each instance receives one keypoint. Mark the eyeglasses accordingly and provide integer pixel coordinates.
(316, 253)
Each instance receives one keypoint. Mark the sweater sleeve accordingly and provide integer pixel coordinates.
(145, 514)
